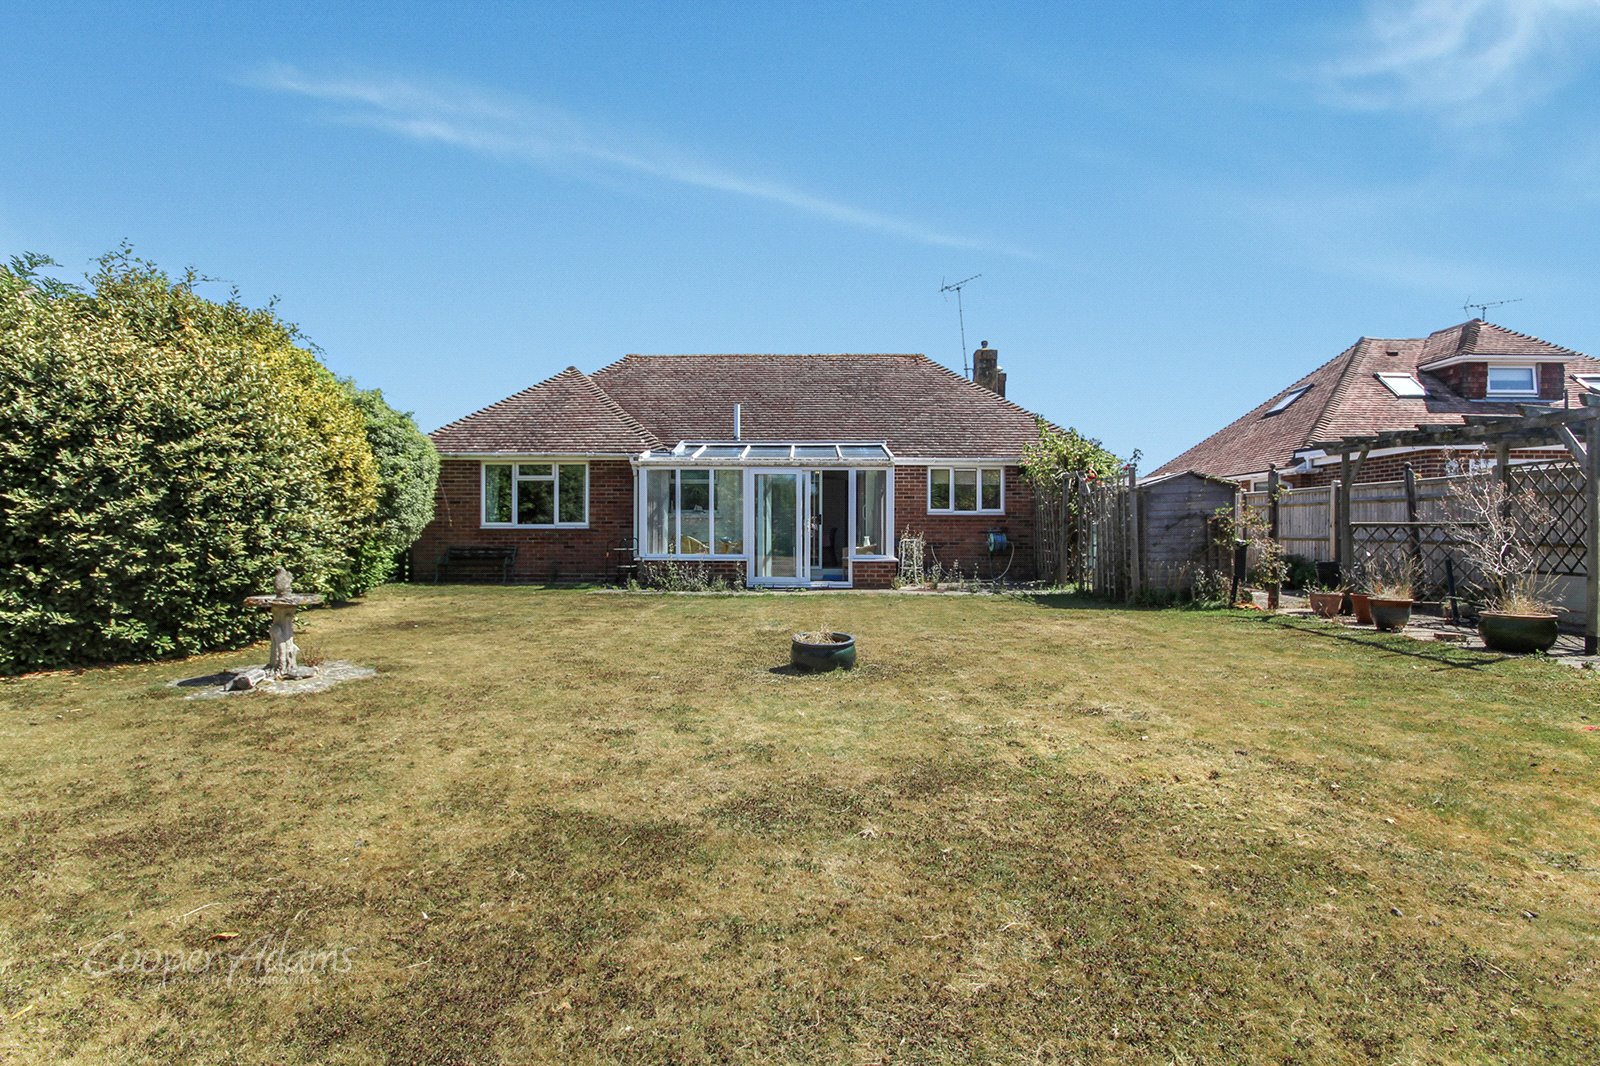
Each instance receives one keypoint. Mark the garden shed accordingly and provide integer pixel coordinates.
(1175, 526)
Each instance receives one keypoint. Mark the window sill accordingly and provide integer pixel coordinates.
(513, 525)
(875, 558)
(741, 557)
(968, 514)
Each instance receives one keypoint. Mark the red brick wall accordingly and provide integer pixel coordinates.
(873, 575)
(1392, 467)
(963, 539)
(572, 555)
(1552, 381)
(1471, 380)
(554, 555)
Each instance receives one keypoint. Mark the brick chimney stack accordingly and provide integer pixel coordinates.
(986, 369)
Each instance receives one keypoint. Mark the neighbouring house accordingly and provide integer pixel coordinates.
(1475, 368)
(797, 470)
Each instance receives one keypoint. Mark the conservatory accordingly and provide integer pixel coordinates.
(798, 513)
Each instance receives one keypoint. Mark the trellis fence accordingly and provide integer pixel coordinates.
(1406, 518)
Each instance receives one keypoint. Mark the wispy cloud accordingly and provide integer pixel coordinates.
(1467, 60)
(522, 130)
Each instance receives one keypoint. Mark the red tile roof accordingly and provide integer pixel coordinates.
(1345, 398)
(1478, 337)
(922, 409)
(564, 415)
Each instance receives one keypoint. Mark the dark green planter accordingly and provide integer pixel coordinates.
(1390, 616)
(840, 655)
(1518, 634)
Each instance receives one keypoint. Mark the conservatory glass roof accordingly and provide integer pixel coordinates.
(773, 453)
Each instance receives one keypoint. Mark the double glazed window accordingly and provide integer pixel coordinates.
(872, 512)
(694, 512)
(1512, 381)
(966, 490)
(535, 494)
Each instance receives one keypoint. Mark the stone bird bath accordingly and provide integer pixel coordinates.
(282, 663)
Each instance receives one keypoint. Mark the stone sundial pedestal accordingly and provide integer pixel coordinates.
(282, 663)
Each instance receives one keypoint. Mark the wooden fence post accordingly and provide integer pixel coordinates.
(1135, 556)
(1413, 535)
(1591, 540)
(1347, 536)
(1333, 518)
(1063, 534)
(1273, 485)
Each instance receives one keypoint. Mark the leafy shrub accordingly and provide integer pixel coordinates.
(408, 471)
(671, 575)
(160, 455)
(1302, 571)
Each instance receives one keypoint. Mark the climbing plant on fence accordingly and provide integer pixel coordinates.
(160, 454)
(1068, 471)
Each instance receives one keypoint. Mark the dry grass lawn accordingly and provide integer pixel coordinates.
(577, 827)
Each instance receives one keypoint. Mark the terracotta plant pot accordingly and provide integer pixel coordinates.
(1517, 634)
(1361, 604)
(1326, 604)
(1390, 616)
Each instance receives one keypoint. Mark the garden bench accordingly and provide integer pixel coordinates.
(476, 557)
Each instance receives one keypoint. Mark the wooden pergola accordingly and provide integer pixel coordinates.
(1577, 429)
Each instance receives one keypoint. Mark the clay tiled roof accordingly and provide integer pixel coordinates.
(1345, 398)
(922, 409)
(1478, 337)
(564, 415)
(919, 407)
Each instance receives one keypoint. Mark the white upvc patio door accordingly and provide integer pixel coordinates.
(779, 522)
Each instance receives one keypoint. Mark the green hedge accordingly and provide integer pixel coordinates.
(408, 471)
(160, 454)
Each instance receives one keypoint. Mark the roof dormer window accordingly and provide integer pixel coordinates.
(1288, 398)
(1404, 386)
(1512, 381)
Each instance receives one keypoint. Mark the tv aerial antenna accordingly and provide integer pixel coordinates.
(961, 316)
(1483, 308)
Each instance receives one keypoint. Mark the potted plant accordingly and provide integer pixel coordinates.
(1391, 585)
(822, 650)
(1499, 531)
(1326, 602)
(1360, 595)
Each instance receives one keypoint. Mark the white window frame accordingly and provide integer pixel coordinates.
(555, 463)
(1396, 382)
(1490, 392)
(889, 541)
(1288, 399)
(675, 534)
(981, 469)
(1588, 381)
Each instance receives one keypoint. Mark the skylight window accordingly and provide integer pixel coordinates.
(1288, 398)
(1405, 386)
(1588, 381)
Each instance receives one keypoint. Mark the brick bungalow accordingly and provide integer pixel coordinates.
(785, 470)
(1475, 368)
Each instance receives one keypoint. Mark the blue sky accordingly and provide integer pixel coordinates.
(1176, 209)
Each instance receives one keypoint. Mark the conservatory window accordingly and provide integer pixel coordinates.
(872, 512)
(694, 512)
(546, 494)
